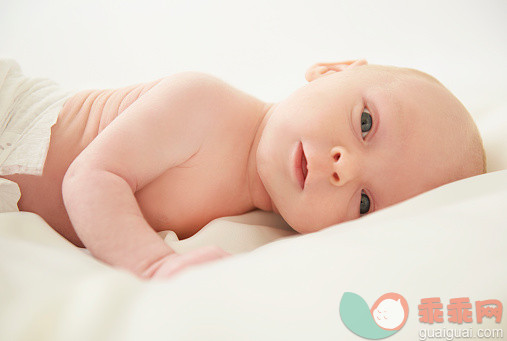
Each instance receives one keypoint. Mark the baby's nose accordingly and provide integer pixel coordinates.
(343, 167)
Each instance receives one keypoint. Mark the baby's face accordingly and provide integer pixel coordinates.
(370, 138)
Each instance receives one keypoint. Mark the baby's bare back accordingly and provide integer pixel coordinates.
(183, 199)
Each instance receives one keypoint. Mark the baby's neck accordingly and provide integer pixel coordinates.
(259, 197)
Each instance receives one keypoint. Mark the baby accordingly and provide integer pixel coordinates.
(178, 152)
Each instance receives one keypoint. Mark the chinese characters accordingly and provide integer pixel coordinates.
(459, 310)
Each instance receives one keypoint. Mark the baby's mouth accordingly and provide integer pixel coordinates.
(304, 169)
(300, 165)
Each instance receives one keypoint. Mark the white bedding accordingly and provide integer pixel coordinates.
(447, 243)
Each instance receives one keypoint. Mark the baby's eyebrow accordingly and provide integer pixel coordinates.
(377, 108)
(374, 108)
(352, 215)
(391, 115)
(353, 124)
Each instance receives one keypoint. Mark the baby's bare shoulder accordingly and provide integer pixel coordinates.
(217, 104)
(208, 88)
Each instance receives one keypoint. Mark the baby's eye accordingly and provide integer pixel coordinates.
(365, 122)
(364, 207)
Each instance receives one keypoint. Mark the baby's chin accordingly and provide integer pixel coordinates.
(311, 224)
(294, 224)
(301, 225)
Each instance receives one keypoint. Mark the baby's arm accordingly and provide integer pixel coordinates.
(162, 129)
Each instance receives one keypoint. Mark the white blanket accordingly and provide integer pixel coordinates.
(446, 243)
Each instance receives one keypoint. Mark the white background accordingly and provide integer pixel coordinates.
(262, 47)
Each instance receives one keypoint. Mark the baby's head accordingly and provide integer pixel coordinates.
(371, 136)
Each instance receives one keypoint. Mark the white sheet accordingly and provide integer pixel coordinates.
(449, 242)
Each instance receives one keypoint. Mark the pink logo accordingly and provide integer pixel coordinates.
(390, 311)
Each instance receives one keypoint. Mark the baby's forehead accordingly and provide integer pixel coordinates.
(388, 75)
(398, 70)
(409, 90)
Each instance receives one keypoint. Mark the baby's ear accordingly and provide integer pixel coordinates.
(321, 69)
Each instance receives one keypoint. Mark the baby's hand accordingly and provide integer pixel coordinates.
(174, 262)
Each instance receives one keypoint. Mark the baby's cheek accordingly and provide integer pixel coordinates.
(307, 215)
(309, 224)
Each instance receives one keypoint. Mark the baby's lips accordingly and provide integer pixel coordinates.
(304, 165)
